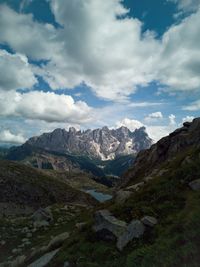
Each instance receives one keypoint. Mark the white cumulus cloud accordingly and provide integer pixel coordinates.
(194, 106)
(154, 116)
(49, 107)
(130, 124)
(8, 137)
(15, 72)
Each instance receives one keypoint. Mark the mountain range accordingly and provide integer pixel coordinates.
(100, 152)
(103, 144)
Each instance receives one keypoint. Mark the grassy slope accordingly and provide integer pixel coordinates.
(23, 184)
(175, 241)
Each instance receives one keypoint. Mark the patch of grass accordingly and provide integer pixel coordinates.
(174, 242)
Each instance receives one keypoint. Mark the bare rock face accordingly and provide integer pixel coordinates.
(102, 143)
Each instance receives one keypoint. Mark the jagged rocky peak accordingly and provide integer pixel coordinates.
(102, 143)
(72, 130)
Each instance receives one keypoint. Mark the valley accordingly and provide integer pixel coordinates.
(149, 218)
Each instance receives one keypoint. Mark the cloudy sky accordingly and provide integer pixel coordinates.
(90, 63)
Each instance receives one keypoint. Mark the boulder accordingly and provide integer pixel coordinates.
(195, 185)
(122, 196)
(42, 218)
(134, 230)
(149, 221)
(124, 233)
(136, 187)
(44, 260)
(58, 240)
(104, 220)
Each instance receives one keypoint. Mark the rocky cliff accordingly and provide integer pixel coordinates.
(165, 150)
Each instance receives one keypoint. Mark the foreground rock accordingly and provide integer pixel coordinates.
(57, 241)
(104, 220)
(42, 217)
(48, 251)
(123, 232)
(149, 221)
(134, 230)
(195, 185)
(135, 187)
(45, 259)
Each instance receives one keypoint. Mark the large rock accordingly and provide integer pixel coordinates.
(44, 260)
(58, 240)
(135, 187)
(195, 185)
(134, 230)
(122, 196)
(42, 217)
(149, 221)
(104, 220)
(123, 232)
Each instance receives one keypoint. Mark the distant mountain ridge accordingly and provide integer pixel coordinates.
(103, 144)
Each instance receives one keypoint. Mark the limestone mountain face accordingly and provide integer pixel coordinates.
(104, 144)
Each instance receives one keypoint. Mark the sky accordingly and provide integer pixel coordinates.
(91, 63)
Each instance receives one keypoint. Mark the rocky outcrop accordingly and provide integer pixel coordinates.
(149, 221)
(134, 230)
(104, 220)
(102, 143)
(195, 185)
(42, 217)
(164, 150)
(120, 230)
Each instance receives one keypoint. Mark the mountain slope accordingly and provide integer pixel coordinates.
(28, 187)
(164, 150)
(51, 160)
(102, 143)
(164, 184)
(45, 159)
(166, 195)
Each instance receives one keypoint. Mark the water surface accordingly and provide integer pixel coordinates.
(101, 197)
